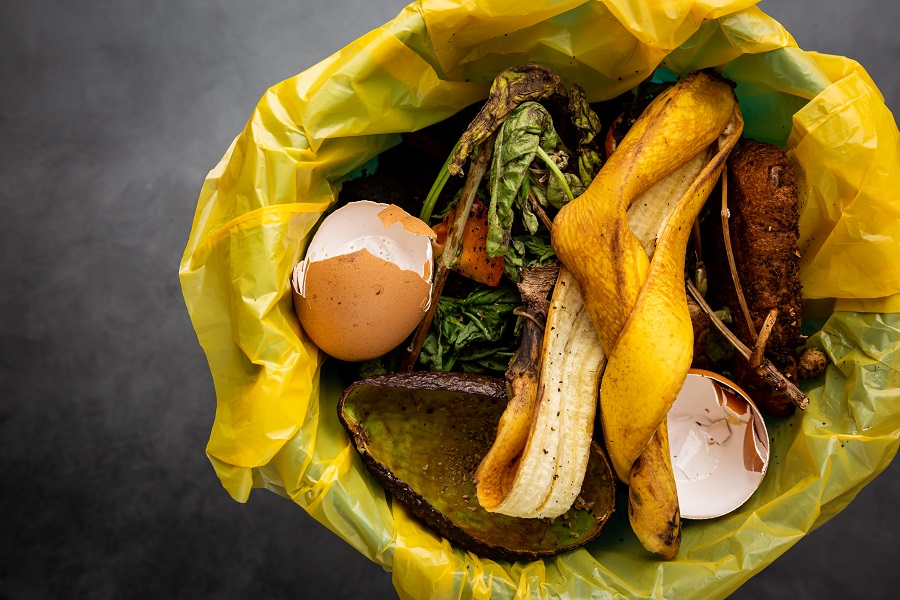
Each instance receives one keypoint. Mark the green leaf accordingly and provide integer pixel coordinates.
(526, 251)
(527, 128)
(556, 193)
(512, 87)
(540, 252)
(551, 161)
(529, 218)
(587, 123)
(539, 191)
(514, 261)
(476, 333)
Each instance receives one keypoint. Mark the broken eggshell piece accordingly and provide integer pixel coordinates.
(719, 446)
(365, 282)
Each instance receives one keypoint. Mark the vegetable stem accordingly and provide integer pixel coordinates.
(766, 370)
(760, 347)
(451, 250)
(724, 213)
(562, 178)
(437, 187)
(542, 214)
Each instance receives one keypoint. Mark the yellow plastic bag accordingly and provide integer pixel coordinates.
(275, 424)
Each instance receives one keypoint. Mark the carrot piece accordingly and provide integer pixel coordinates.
(473, 261)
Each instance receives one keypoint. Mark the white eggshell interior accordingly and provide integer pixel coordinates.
(358, 226)
(719, 447)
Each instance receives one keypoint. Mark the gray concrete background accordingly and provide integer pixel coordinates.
(111, 113)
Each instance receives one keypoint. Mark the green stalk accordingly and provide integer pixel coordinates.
(436, 188)
(556, 171)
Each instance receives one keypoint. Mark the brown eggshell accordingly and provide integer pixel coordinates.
(358, 306)
(394, 214)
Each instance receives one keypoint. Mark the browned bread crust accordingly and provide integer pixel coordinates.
(764, 227)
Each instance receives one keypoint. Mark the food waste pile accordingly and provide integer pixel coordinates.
(521, 291)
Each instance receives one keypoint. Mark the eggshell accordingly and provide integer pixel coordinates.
(365, 282)
(719, 446)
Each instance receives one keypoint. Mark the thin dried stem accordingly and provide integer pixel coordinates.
(697, 241)
(760, 347)
(725, 214)
(451, 249)
(541, 213)
(521, 312)
(700, 278)
(723, 329)
(766, 370)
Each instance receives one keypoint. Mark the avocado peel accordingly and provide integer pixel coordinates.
(423, 434)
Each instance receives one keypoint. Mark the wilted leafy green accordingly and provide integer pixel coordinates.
(527, 251)
(477, 333)
(554, 192)
(527, 128)
(511, 88)
(587, 123)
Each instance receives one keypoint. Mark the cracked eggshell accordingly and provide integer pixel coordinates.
(365, 282)
(719, 445)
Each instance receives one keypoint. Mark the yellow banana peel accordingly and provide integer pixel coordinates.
(653, 509)
(650, 361)
(536, 465)
(516, 477)
(665, 168)
(639, 308)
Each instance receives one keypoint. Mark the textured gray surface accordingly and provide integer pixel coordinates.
(111, 113)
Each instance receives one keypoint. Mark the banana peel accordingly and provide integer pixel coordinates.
(524, 481)
(536, 466)
(500, 476)
(573, 360)
(645, 329)
(639, 307)
(643, 206)
(653, 509)
(651, 358)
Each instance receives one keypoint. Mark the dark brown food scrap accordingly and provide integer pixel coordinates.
(700, 325)
(764, 227)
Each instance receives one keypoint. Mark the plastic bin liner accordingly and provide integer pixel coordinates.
(275, 425)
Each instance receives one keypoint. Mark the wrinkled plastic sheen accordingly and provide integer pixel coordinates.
(275, 424)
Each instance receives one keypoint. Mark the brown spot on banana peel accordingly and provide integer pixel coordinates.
(675, 127)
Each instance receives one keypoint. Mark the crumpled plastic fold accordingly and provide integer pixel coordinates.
(275, 425)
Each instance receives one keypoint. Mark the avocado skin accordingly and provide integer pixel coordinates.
(473, 403)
